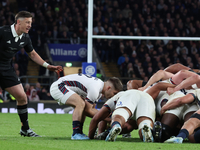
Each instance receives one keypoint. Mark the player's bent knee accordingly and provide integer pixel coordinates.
(121, 112)
(80, 104)
(21, 97)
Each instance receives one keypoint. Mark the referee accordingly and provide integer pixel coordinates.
(12, 39)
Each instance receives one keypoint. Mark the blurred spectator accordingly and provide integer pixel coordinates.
(38, 40)
(83, 37)
(16, 68)
(55, 32)
(161, 5)
(193, 49)
(130, 70)
(133, 55)
(124, 67)
(126, 11)
(34, 96)
(64, 38)
(149, 45)
(38, 87)
(99, 46)
(49, 37)
(44, 95)
(107, 47)
(27, 89)
(75, 39)
(99, 29)
(182, 49)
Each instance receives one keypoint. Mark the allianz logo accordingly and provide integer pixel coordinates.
(62, 52)
(81, 52)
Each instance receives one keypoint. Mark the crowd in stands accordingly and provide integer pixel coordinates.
(34, 93)
(66, 21)
(37, 92)
(142, 58)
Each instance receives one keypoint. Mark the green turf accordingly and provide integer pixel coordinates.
(56, 130)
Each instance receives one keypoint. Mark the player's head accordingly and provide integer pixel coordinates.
(112, 86)
(23, 20)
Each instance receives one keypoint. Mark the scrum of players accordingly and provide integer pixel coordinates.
(165, 109)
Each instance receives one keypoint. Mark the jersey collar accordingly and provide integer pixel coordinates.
(14, 32)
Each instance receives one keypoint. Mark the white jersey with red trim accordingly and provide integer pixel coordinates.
(86, 86)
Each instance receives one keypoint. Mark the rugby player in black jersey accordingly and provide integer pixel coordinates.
(12, 39)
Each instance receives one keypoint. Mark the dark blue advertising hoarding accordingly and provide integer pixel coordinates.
(68, 52)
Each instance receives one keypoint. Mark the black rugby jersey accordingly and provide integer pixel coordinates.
(8, 46)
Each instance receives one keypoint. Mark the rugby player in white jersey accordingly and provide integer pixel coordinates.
(170, 120)
(82, 92)
(190, 129)
(127, 105)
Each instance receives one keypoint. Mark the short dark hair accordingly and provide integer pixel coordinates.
(117, 84)
(23, 14)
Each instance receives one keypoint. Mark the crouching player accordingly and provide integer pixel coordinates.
(130, 104)
(190, 129)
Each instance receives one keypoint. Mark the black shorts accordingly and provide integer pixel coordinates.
(8, 78)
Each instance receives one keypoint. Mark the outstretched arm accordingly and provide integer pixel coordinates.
(101, 115)
(36, 58)
(134, 84)
(159, 75)
(176, 68)
(177, 102)
(160, 86)
(190, 78)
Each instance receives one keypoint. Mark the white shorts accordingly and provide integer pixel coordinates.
(60, 96)
(158, 101)
(189, 108)
(139, 103)
(179, 110)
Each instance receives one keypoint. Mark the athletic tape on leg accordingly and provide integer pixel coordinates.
(145, 122)
(121, 112)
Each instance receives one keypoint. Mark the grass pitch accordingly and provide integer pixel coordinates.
(56, 130)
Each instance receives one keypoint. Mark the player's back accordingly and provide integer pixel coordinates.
(91, 86)
(84, 79)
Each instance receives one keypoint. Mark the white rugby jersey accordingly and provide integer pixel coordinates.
(86, 86)
(111, 103)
